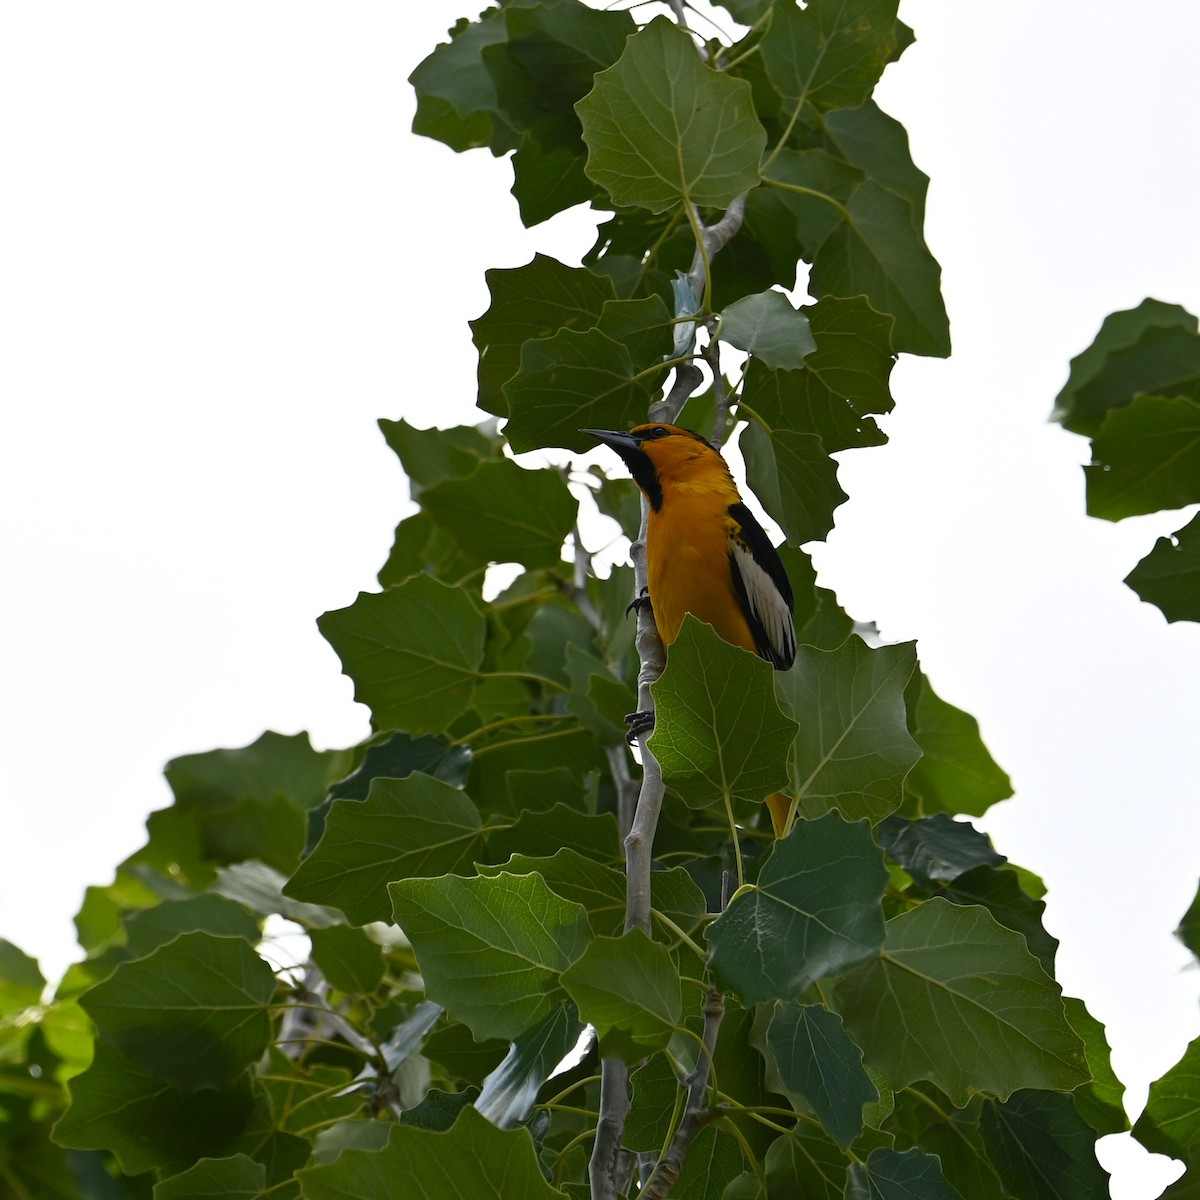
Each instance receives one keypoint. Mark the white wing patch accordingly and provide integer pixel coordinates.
(770, 615)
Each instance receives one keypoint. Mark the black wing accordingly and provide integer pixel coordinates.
(763, 588)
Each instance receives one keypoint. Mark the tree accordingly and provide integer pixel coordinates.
(865, 1007)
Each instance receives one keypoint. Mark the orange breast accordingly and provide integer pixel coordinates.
(687, 551)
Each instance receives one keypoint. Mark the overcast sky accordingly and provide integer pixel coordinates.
(223, 256)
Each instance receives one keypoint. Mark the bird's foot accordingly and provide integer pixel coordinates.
(639, 603)
(640, 724)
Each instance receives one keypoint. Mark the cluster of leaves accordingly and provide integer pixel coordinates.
(1135, 391)
(891, 1024)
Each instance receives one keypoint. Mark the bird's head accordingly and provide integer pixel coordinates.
(660, 454)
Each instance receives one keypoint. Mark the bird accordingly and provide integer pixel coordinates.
(706, 553)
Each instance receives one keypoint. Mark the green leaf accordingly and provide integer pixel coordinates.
(955, 773)
(457, 101)
(505, 513)
(533, 301)
(1170, 1122)
(260, 889)
(654, 1088)
(1169, 576)
(348, 959)
(718, 731)
(398, 756)
(604, 377)
(510, 1090)
(454, 1048)
(1101, 1102)
(354, 1135)
(215, 1179)
(819, 1063)
(406, 828)
(661, 126)
(1146, 457)
(1151, 348)
(795, 480)
(870, 140)
(1189, 928)
(145, 1122)
(543, 832)
(713, 1161)
(628, 989)
(853, 748)
(546, 182)
(879, 252)
(437, 1112)
(768, 327)
(831, 53)
(814, 912)
(154, 927)
(1042, 1148)
(957, 999)
(414, 652)
(430, 456)
(806, 193)
(491, 949)
(807, 1163)
(892, 1175)
(844, 379)
(938, 849)
(193, 1013)
(473, 1158)
(21, 980)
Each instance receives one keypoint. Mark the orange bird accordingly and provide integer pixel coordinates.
(706, 553)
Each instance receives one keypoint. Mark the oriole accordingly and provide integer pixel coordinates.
(706, 553)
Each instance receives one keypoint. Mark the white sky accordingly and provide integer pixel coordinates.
(223, 256)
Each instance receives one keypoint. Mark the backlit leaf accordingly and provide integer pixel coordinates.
(768, 327)
(1169, 576)
(1170, 1122)
(795, 480)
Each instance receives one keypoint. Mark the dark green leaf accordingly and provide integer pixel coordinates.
(831, 53)
(1101, 1102)
(853, 748)
(814, 912)
(808, 1164)
(153, 927)
(768, 327)
(807, 193)
(453, 1047)
(879, 252)
(144, 1122)
(713, 1161)
(719, 730)
(1170, 1122)
(236, 1178)
(1146, 457)
(504, 513)
(628, 989)
(422, 547)
(430, 456)
(546, 182)
(819, 1063)
(1150, 348)
(406, 828)
(510, 1091)
(414, 652)
(1042, 1148)
(473, 1158)
(654, 1088)
(955, 774)
(603, 377)
(533, 301)
(21, 980)
(544, 832)
(891, 1175)
(648, 145)
(397, 757)
(1189, 928)
(193, 1013)
(348, 959)
(795, 480)
(491, 949)
(867, 138)
(936, 850)
(957, 999)
(844, 379)
(437, 1112)
(1169, 576)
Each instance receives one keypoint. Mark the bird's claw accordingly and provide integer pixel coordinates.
(640, 723)
(638, 603)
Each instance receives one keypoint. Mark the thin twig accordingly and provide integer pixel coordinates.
(712, 356)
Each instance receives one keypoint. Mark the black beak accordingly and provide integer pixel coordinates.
(623, 443)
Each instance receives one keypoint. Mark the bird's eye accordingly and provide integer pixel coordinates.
(658, 431)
